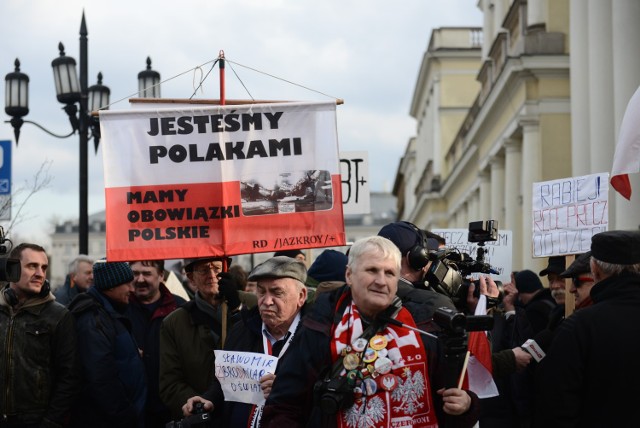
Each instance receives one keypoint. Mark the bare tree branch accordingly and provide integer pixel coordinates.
(41, 180)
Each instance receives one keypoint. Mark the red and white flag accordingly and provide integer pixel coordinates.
(627, 156)
(480, 369)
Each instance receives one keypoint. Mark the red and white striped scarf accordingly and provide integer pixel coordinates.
(410, 403)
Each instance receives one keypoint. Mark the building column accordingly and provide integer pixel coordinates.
(497, 190)
(601, 127)
(536, 12)
(531, 173)
(463, 217)
(499, 12)
(473, 211)
(485, 195)
(513, 197)
(579, 63)
(487, 26)
(626, 69)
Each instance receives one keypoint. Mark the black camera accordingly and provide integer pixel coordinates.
(333, 394)
(10, 269)
(483, 231)
(457, 323)
(454, 326)
(199, 418)
(450, 267)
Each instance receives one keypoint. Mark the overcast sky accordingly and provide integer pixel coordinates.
(367, 52)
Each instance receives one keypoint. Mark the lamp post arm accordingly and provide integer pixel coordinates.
(45, 129)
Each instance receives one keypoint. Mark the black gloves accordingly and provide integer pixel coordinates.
(228, 290)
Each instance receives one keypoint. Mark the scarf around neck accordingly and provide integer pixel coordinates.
(388, 373)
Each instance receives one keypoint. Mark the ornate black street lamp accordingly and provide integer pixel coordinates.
(79, 101)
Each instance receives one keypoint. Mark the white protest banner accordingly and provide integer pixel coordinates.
(239, 374)
(498, 254)
(197, 180)
(567, 213)
(354, 171)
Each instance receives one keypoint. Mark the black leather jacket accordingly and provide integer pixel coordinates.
(39, 376)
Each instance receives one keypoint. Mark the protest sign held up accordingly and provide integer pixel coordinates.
(567, 213)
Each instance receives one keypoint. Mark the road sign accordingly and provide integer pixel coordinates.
(5, 180)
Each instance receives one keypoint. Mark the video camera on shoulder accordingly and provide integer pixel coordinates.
(10, 269)
(199, 418)
(450, 266)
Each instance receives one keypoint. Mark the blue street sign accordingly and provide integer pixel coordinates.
(5, 167)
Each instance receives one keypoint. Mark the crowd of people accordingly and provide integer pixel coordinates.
(357, 338)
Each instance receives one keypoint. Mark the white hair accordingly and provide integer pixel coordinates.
(373, 243)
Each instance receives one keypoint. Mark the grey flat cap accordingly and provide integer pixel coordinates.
(280, 267)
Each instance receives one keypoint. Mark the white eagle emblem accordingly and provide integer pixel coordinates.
(366, 415)
(409, 393)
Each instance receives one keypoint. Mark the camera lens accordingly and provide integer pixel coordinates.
(329, 404)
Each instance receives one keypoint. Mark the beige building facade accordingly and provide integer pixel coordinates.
(551, 82)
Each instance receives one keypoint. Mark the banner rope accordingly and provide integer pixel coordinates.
(203, 78)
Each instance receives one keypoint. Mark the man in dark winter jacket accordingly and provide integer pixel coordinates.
(267, 329)
(114, 381)
(590, 374)
(189, 335)
(79, 279)
(150, 303)
(358, 360)
(38, 361)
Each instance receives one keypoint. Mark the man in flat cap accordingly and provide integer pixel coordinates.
(268, 328)
(593, 360)
(114, 388)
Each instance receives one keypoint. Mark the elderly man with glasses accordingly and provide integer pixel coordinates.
(581, 280)
(189, 334)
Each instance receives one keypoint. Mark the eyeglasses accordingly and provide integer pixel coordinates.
(578, 281)
(208, 269)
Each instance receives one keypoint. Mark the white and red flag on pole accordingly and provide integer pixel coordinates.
(626, 159)
(480, 370)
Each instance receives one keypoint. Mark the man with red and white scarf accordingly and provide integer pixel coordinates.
(349, 367)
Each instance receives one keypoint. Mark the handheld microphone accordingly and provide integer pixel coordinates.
(539, 344)
(535, 350)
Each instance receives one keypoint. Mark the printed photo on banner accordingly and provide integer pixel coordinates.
(295, 191)
(200, 180)
(567, 213)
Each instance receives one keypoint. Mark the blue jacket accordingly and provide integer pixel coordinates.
(114, 381)
(65, 294)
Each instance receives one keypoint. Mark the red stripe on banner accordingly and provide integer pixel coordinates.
(194, 220)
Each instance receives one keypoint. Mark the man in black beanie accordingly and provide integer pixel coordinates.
(591, 369)
(114, 388)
